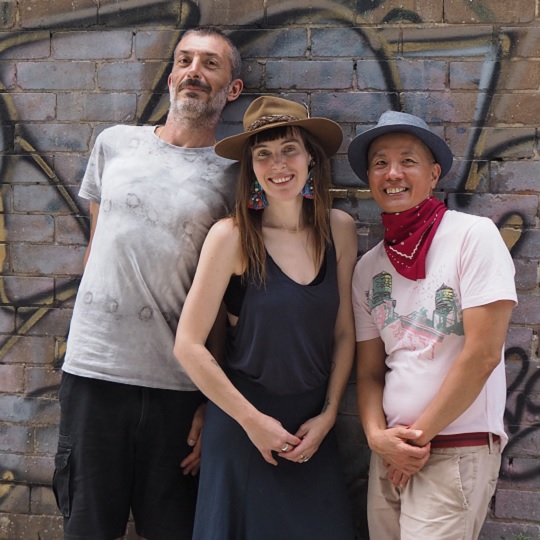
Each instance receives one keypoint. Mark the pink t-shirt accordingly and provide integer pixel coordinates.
(421, 322)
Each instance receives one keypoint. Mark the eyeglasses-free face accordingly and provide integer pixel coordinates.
(281, 166)
(401, 171)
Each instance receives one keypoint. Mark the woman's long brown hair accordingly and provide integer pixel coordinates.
(315, 211)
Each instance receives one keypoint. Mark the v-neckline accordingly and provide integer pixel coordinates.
(310, 284)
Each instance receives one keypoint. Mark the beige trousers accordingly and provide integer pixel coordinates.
(447, 500)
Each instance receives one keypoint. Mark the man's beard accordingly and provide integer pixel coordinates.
(189, 107)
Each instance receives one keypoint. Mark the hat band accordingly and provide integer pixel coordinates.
(271, 119)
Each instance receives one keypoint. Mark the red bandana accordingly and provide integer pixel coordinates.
(409, 234)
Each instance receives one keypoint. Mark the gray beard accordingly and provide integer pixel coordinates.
(203, 114)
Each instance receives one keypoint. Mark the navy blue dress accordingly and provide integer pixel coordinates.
(279, 357)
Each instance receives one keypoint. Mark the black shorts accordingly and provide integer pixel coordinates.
(119, 449)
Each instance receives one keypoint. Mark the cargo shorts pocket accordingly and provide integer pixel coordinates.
(61, 478)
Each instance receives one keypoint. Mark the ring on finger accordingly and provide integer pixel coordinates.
(285, 447)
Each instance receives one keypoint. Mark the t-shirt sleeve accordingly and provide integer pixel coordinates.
(91, 182)
(486, 269)
(365, 326)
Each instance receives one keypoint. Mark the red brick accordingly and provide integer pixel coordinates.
(23, 48)
(227, 12)
(41, 198)
(525, 41)
(15, 439)
(519, 75)
(457, 11)
(500, 529)
(7, 319)
(66, 137)
(528, 310)
(414, 10)
(42, 501)
(91, 107)
(516, 108)
(56, 75)
(23, 169)
(8, 14)
(65, 290)
(36, 13)
(43, 321)
(11, 378)
(7, 75)
(518, 505)
(252, 74)
(526, 275)
(309, 74)
(514, 176)
(436, 107)
(276, 43)
(518, 473)
(41, 259)
(34, 106)
(70, 168)
(448, 41)
(16, 499)
(29, 228)
(69, 231)
(29, 350)
(122, 14)
(519, 337)
(129, 76)
(505, 142)
(496, 207)
(155, 44)
(43, 382)
(26, 526)
(95, 45)
(18, 410)
(46, 439)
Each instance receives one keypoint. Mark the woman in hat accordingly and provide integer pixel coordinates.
(282, 266)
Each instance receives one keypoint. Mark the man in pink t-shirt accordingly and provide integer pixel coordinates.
(432, 305)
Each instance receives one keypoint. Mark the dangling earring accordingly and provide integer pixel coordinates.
(308, 191)
(257, 198)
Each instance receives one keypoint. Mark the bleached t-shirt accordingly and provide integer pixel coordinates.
(421, 322)
(157, 202)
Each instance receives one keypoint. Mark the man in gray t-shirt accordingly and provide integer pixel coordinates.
(130, 416)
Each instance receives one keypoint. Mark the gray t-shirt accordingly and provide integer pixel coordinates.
(157, 202)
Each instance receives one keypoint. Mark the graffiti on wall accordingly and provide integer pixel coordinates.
(388, 51)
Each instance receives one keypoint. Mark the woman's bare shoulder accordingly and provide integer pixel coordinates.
(343, 232)
(224, 230)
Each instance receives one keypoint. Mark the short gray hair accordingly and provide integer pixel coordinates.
(235, 58)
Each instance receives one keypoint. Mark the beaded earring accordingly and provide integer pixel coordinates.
(257, 198)
(309, 187)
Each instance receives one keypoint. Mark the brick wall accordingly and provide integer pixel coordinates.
(70, 68)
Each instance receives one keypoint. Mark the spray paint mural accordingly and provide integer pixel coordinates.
(349, 60)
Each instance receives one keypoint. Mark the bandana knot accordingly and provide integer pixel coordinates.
(408, 236)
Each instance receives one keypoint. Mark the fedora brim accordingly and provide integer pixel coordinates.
(359, 147)
(327, 132)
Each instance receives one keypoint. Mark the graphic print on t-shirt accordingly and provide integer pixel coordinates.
(419, 330)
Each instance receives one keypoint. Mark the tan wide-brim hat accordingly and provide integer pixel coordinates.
(268, 112)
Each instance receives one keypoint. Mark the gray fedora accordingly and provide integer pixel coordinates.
(394, 121)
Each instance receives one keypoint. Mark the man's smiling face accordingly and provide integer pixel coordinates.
(401, 170)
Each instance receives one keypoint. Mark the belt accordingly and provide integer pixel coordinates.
(462, 439)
